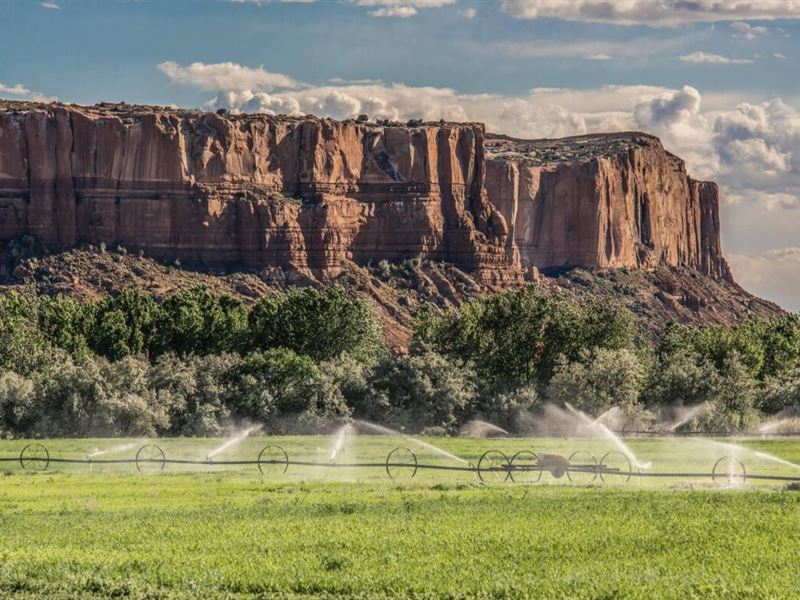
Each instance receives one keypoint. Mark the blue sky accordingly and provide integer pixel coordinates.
(717, 81)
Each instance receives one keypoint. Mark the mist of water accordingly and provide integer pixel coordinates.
(340, 440)
(479, 429)
(115, 449)
(609, 435)
(772, 426)
(234, 440)
(387, 431)
(736, 450)
(610, 415)
(689, 413)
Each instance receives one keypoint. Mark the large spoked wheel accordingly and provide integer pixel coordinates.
(272, 461)
(582, 467)
(525, 467)
(401, 464)
(615, 464)
(34, 457)
(494, 467)
(150, 459)
(730, 470)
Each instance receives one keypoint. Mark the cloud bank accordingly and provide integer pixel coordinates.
(656, 13)
(775, 274)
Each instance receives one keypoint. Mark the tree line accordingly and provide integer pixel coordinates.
(306, 359)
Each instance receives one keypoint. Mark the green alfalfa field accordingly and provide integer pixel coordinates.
(211, 530)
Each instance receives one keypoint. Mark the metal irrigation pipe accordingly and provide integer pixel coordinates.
(36, 456)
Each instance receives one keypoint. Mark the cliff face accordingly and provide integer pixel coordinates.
(306, 194)
(608, 201)
(297, 193)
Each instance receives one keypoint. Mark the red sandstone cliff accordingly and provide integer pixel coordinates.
(608, 201)
(308, 193)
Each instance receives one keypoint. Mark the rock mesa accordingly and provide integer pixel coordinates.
(305, 194)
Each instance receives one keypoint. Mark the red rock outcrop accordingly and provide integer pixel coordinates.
(306, 193)
(608, 201)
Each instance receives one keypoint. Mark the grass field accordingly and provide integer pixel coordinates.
(227, 531)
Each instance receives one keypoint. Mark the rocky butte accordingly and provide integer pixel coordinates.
(306, 195)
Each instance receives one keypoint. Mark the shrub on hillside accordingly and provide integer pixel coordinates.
(516, 338)
(598, 381)
(283, 390)
(417, 392)
(321, 324)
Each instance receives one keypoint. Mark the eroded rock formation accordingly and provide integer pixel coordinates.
(306, 194)
(608, 201)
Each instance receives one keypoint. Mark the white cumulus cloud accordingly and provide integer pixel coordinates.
(747, 31)
(224, 76)
(713, 59)
(403, 12)
(759, 150)
(657, 13)
(402, 9)
(15, 90)
(20, 92)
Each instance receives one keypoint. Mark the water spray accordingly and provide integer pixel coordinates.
(693, 412)
(609, 435)
(386, 431)
(233, 441)
(341, 439)
(114, 450)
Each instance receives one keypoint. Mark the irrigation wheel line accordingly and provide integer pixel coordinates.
(730, 471)
(494, 467)
(525, 467)
(625, 471)
(575, 472)
(273, 456)
(148, 455)
(404, 466)
(34, 457)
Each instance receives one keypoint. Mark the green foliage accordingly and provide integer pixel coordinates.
(193, 391)
(736, 399)
(512, 410)
(66, 323)
(197, 322)
(766, 348)
(517, 338)
(782, 393)
(305, 359)
(599, 381)
(418, 392)
(682, 379)
(97, 397)
(23, 346)
(17, 403)
(123, 325)
(322, 324)
(279, 384)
